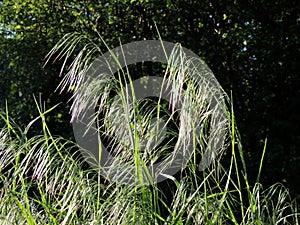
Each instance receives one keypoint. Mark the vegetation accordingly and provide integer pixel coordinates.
(44, 180)
(252, 48)
(43, 184)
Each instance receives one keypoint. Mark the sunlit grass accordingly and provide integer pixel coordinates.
(45, 181)
(43, 184)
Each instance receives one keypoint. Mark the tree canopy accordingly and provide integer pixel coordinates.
(251, 46)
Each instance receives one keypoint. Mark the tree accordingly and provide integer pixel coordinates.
(252, 48)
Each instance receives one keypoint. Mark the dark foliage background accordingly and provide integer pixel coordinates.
(251, 46)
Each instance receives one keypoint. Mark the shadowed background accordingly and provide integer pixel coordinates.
(251, 46)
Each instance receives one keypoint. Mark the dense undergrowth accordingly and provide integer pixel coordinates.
(44, 179)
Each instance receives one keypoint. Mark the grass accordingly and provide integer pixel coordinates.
(45, 181)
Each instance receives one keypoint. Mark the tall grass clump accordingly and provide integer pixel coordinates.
(45, 181)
